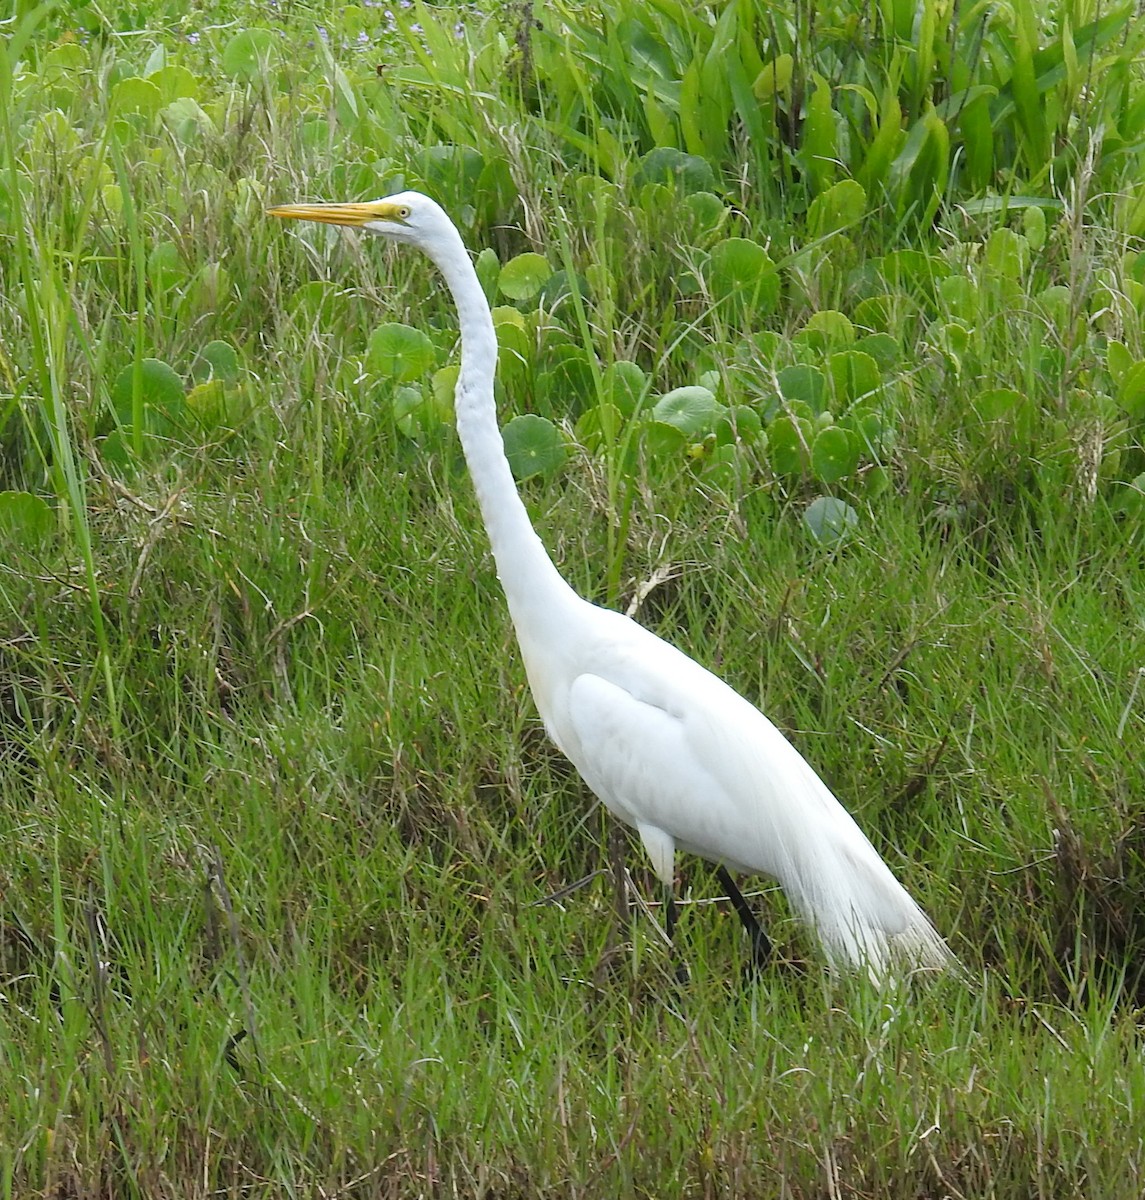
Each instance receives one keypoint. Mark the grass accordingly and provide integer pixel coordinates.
(278, 813)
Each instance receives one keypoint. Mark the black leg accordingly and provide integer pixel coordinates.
(617, 845)
(671, 918)
(760, 942)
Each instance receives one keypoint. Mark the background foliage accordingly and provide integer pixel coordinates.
(822, 339)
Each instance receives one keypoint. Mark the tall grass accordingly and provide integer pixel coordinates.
(281, 825)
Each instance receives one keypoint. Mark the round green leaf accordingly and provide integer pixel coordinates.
(853, 375)
(830, 520)
(685, 172)
(175, 83)
(533, 445)
(787, 444)
(828, 328)
(841, 206)
(523, 277)
(996, 403)
(692, 410)
(444, 390)
(165, 266)
(25, 519)
(883, 348)
(400, 352)
(960, 298)
(1131, 393)
(625, 385)
(413, 416)
(834, 454)
(187, 121)
(805, 383)
(738, 424)
(216, 360)
(707, 209)
(742, 268)
(160, 396)
(135, 95)
(248, 53)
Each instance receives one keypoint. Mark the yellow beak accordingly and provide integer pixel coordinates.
(343, 214)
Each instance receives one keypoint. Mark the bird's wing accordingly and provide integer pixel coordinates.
(671, 748)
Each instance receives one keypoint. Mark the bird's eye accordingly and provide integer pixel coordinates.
(404, 212)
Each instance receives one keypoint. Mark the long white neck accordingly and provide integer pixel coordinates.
(533, 586)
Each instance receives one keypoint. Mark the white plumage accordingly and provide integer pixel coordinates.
(667, 746)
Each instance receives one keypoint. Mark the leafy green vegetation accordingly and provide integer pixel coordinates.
(822, 349)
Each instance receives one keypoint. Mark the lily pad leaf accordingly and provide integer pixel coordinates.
(742, 268)
(25, 519)
(830, 521)
(692, 410)
(523, 277)
(248, 53)
(160, 396)
(533, 445)
(216, 360)
(806, 383)
(400, 352)
(834, 454)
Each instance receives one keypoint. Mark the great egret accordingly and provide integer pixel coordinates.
(668, 747)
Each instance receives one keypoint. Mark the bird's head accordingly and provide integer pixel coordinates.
(407, 217)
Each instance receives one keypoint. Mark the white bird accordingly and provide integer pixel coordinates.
(669, 748)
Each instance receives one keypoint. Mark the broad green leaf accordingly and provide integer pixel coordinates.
(598, 428)
(775, 78)
(488, 268)
(819, 151)
(995, 404)
(625, 385)
(443, 391)
(853, 375)
(806, 383)
(1129, 498)
(883, 348)
(207, 402)
(216, 360)
(533, 445)
(788, 442)
(842, 206)
(707, 209)
(165, 266)
(523, 277)
(160, 396)
(741, 268)
(685, 173)
(827, 328)
(1118, 360)
(175, 83)
(834, 454)
(1006, 255)
(830, 520)
(187, 120)
(693, 410)
(739, 424)
(960, 298)
(135, 95)
(414, 415)
(25, 519)
(1131, 391)
(249, 53)
(399, 352)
